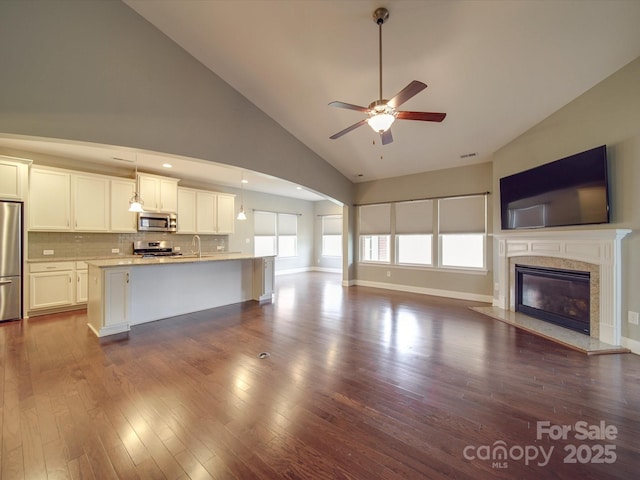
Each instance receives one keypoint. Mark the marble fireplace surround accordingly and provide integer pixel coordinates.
(595, 251)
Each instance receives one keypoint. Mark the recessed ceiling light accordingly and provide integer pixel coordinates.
(244, 180)
(167, 165)
(298, 188)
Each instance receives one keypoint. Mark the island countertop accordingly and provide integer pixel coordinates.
(178, 259)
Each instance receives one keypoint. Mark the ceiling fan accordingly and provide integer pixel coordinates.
(382, 113)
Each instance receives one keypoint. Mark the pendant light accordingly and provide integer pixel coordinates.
(136, 202)
(241, 214)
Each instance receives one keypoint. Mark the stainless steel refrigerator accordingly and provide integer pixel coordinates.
(10, 261)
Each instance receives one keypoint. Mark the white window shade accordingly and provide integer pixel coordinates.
(375, 219)
(414, 217)
(462, 215)
(332, 225)
(287, 224)
(264, 223)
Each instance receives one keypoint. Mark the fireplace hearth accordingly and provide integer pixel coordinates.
(558, 296)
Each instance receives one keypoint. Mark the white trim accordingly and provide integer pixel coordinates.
(326, 269)
(631, 344)
(293, 270)
(476, 297)
(348, 283)
(110, 330)
(600, 247)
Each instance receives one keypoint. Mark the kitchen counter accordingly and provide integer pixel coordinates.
(129, 291)
(117, 257)
(138, 260)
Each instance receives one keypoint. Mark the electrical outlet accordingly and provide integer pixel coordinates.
(633, 317)
(177, 249)
(388, 273)
(115, 250)
(219, 248)
(47, 252)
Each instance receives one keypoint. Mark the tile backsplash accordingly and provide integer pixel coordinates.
(100, 245)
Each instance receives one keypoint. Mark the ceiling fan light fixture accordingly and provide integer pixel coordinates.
(381, 122)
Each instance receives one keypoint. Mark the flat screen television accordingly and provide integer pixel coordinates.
(570, 191)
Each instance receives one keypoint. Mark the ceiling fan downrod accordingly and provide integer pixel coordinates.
(380, 16)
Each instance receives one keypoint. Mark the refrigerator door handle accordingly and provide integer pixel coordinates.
(6, 282)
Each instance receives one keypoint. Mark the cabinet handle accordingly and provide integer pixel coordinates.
(69, 278)
(127, 278)
(51, 268)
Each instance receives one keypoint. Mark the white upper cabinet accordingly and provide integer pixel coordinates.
(13, 178)
(122, 220)
(226, 214)
(159, 194)
(186, 210)
(49, 200)
(206, 212)
(91, 203)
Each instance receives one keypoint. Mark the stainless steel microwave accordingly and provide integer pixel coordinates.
(157, 222)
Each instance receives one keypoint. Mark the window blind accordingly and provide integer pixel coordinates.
(264, 223)
(287, 224)
(414, 217)
(462, 214)
(375, 219)
(332, 225)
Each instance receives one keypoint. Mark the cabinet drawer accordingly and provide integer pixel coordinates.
(51, 267)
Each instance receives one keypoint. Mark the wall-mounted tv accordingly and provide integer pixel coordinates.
(570, 191)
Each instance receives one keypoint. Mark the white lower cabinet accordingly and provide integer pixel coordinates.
(108, 307)
(51, 285)
(263, 278)
(82, 286)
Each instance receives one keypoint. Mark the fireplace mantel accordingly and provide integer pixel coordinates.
(600, 247)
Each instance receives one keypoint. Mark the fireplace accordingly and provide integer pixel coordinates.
(596, 251)
(554, 295)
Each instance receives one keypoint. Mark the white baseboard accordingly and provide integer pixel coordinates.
(427, 291)
(293, 270)
(348, 283)
(631, 344)
(326, 269)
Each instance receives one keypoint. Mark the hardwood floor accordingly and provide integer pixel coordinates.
(360, 383)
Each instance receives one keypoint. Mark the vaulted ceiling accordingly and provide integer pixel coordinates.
(495, 67)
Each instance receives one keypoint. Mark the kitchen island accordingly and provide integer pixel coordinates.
(131, 291)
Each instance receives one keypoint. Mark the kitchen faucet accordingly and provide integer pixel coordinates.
(193, 242)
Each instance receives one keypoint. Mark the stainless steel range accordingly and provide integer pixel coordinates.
(161, 248)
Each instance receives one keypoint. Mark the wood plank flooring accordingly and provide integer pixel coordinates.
(360, 383)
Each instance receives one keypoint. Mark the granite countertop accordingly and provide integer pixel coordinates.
(119, 258)
(213, 257)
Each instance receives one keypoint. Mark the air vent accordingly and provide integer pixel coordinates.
(469, 155)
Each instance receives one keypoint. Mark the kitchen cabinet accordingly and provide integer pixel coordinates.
(14, 174)
(91, 203)
(49, 200)
(108, 306)
(160, 194)
(51, 285)
(206, 212)
(82, 287)
(225, 214)
(263, 278)
(121, 219)
(186, 210)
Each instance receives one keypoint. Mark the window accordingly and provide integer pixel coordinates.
(264, 225)
(275, 234)
(462, 228)
(414, 232)
(332, 236)
(287, 235)
(439, 233)
(374, 230)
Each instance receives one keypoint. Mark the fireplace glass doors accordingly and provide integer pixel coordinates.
(558, 296)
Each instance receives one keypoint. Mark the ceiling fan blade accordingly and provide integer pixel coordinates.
(386, 137)
(406, 93)
(423, 116)
(349, 106)
(348, 129)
